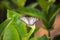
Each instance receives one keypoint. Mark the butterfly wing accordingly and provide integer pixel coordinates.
(29, 20)
(32, 20)
(24, 19)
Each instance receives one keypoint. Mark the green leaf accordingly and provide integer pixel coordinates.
(3, 25)
(10, 32)
(51, 16)
(33, 5)
(54, 11)
(19, 3)
(20, 26)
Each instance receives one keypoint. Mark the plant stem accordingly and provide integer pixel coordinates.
(49, 35)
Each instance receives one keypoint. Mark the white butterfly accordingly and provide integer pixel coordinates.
(29, 20)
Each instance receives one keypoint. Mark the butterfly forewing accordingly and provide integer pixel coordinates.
(24, 19)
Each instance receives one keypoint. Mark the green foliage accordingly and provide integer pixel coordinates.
(19, 3)
(13, 28)
(33, 5)
(16, 29)
(52, 15)
(45, 4)
(6, 4)
(10, 32)
(44, 37)
(3, 25)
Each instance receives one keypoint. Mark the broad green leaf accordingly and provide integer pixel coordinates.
(32, 5)
(10, 32)
(3, 25)
(20, 26)
(32, 12)
(19, 3)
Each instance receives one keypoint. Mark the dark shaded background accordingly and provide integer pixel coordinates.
(3, 12)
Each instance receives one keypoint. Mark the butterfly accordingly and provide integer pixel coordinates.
(29, 20)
